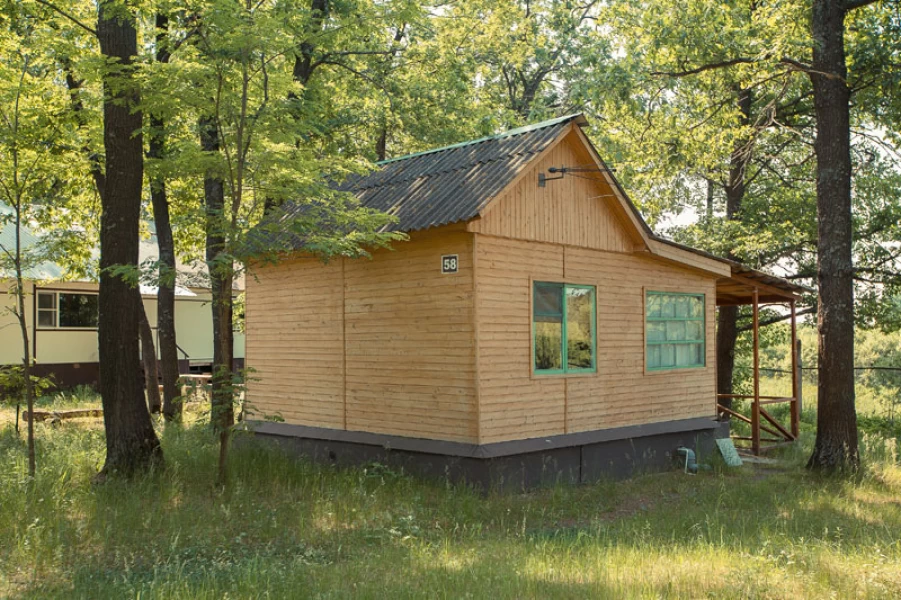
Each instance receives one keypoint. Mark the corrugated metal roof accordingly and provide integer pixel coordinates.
(454, 183)
(450, 184)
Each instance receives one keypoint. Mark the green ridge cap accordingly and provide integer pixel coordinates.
(509, 133)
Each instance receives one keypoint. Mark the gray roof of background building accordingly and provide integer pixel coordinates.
(29, 243)
(450, 184)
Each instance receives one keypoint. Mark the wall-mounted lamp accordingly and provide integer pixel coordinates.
(543, 179)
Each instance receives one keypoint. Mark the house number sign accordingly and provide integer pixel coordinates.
(449, 263)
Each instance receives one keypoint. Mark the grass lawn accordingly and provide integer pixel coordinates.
(288, 529)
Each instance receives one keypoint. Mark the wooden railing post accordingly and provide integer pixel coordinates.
(796, 388)
(755, 408)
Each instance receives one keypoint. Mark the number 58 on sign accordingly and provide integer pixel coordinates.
(449, 263)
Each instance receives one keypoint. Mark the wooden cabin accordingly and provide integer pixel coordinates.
(532, 329)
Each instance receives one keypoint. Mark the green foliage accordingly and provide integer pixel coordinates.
(877, 358)
(303, 96)
(43, 173)
(12, 384)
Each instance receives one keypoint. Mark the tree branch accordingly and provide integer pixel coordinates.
(708, 67)
(779, 319)
(853, 4)
(60, 11)
(73, 85)
(798, 65)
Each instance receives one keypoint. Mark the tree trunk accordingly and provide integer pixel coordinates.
(836, 442)
(709, 201)
(303, 56)
(726, 336)
(166, 291)
(148, 356)
(727, 317)
(29, 389)
(221, 271)
(381, 143)
(26, 347)
(304, 66)
(131, 442)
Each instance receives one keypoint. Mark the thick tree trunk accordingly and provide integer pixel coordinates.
(148, 356)
(726, 336)
(836, 442)
(727, 317)
(222, 415)
(131, 442)
(166, 292)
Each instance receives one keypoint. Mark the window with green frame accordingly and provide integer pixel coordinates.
(563, 328)
(674, 331)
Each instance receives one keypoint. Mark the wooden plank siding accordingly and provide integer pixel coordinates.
(623, 392)
(576, 209)
(513, 405)
(410, 349)
(295, 328)
(516, 404)
(383, 345)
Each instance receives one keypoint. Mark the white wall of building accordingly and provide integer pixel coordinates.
(193, 329)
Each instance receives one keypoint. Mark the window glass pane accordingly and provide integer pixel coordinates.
(46, 300)
(78, 310)
(681, 306)
(548, 345)
(697, 307)
(698, 354)
(668, 307)
(47, 318)
(653, 357)
(653, 305)
(548, 300)
(675, 331)
(667, 355)
(656, 331)
(579, 334)
(685, 355)
(693, 330)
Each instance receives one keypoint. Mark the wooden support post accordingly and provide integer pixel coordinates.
(796, 388)
(755, 408)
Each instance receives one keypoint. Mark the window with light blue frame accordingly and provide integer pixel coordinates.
(564, 338)
(674, 331)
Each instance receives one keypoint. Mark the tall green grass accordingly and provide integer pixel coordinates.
(285, 528)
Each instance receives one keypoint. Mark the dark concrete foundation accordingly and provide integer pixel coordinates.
(582, 457)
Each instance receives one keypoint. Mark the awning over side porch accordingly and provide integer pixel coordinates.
(739, 288)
